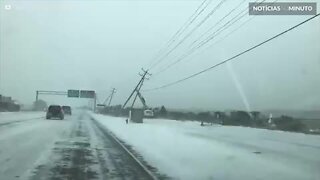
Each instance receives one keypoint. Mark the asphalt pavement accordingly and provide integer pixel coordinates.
(76, 148)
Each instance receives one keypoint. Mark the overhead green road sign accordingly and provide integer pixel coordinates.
(87, 94)
(73, 93)
(81, 93)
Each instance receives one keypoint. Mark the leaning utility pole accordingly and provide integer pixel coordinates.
(137, 91)
(112, 93)
(109, 98)
(137, 88)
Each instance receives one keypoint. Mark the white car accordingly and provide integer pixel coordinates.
(148, 113)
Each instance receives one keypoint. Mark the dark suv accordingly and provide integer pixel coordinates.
(55, 111)
(66, 110)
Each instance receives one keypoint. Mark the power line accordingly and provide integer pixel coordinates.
(230, 12)
(242, 24)
(233, 57)
(221, 29)
(192, 31)
(239, 27)
(202, 43)
(185, 26)
(228, 24)
(227, 35)
(194, 18)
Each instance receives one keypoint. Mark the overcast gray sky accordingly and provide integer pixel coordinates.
(60, 45)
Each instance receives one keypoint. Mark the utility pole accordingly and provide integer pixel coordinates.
(137, 92)
(109, 98)
(95, 102)
(137, 88)
(37, 95)
(112, 93)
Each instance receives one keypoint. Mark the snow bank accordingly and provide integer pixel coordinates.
(185, 150)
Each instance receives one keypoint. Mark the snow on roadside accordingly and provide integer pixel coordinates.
(6, 117)
(185, 150)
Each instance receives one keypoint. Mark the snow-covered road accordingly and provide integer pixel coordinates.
(24, 139)
(33, 148)
(185, 150)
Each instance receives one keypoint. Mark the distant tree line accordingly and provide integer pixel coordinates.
(234, 118)
(116, 110)
(288, 123)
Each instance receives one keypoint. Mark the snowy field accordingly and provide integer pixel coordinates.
(8, 117)
(185, 150)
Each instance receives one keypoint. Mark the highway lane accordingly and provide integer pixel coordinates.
(23, 143)
(74, 148)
